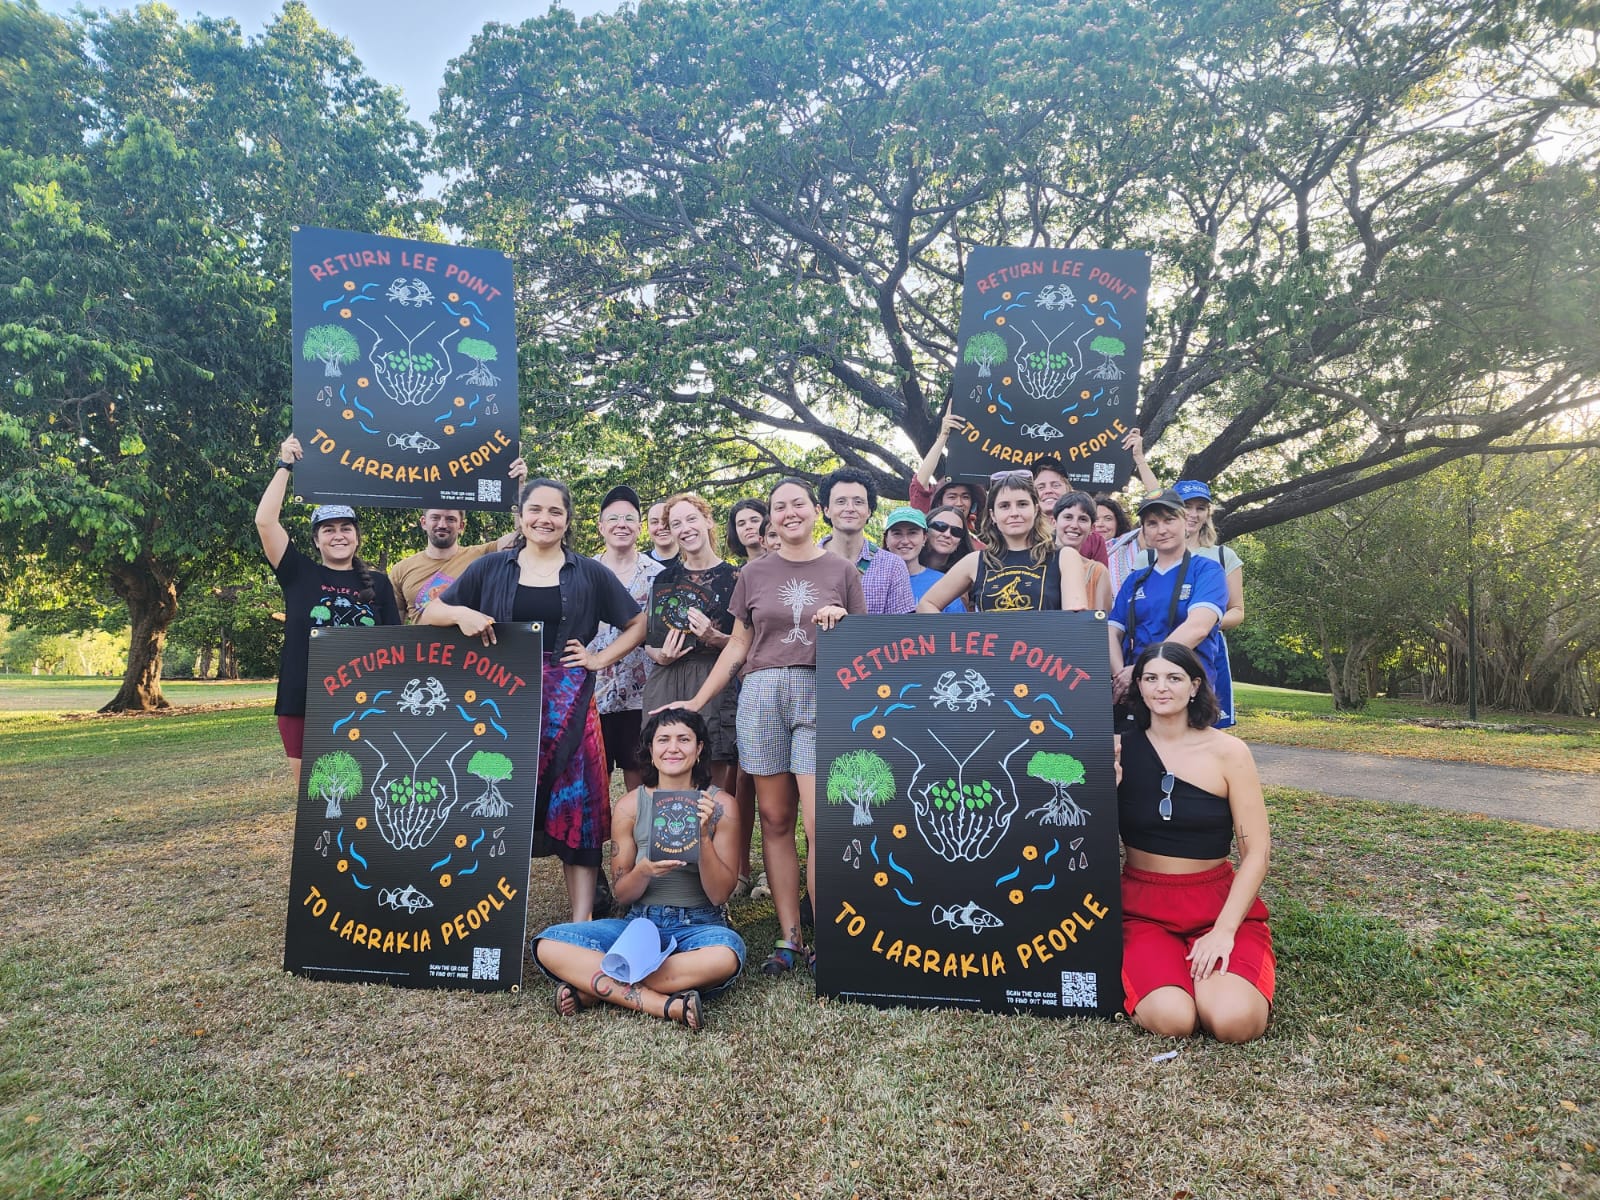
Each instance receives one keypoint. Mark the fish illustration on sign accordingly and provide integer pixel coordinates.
(970, 915)
(408, 898)
(417, 441)
(1043, 431)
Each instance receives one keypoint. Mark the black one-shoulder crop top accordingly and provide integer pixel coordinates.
(1201, 825)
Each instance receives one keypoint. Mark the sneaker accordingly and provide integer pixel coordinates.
(759, 889)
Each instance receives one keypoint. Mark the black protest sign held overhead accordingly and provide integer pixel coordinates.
(1048, 362)
(966, 814)
(415, 818)
(405, 372)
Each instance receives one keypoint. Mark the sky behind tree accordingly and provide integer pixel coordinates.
(406, 43)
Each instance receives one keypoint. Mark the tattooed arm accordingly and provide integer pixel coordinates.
(719, 845)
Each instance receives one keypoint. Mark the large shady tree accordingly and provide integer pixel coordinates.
(149, 173)
(1375, 227)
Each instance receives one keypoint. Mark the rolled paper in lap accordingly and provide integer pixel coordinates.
(636, 954)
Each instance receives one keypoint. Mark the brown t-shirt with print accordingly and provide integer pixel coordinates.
(779, 598)
(419, 578)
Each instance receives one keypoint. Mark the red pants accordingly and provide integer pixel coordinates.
(1164, 915)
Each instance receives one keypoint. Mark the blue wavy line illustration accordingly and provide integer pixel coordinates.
(476, 400)
(1095, 413)
(367, 712)
(893, 707)
(1044, 887)
(473, 305)
(999, 399)
(490, 704)
(477, 841)
(1054, 850)
(907, 903)
(445, 304)
(472, 870)
(500, 729)
(992, 311)
(468, 424)
(1048, 699)
(872, 848)
(356, 854)
(340, 839)
(344, 720)
(1095, 399)
(360, 407)
(465, 715)
(442, 862)
(365, 887)
(899, 870)
(1008, 878)
(1111, 315)
(368, 428)
(1069, 408)
(1015, 711)
(908, 687)
(346, 298)
(376, 696)
(444, 416)
(866, 716)
(1066, 729)
(1005, 420)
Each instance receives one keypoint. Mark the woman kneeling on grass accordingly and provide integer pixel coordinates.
(1195, 945)
(682, 900)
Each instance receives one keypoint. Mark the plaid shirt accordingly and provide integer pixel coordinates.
(884, 580)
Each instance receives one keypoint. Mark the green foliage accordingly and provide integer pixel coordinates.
(477, 348)
(862, 778)
(950, 795)
(489, 766)
(143, 233)
(404, 790)
(335, 776)
(986, 349)
(333, 345)
(1109, 346)
(1063, 770)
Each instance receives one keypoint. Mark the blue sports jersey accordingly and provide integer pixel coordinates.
(1147, 594)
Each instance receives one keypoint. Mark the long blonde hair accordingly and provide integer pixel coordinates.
(1043, 535)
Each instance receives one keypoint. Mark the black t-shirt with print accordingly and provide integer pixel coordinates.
(316, 596)
(677, 589)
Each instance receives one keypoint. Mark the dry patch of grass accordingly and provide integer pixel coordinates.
(1436, 1031)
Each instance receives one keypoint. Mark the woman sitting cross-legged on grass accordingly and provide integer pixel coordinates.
(684, 901)
(1196, 950)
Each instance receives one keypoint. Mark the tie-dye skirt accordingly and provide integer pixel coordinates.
(572, 813)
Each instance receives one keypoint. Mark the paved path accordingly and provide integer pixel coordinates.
(1559, 799)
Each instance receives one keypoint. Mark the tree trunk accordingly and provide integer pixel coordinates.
(150, 591)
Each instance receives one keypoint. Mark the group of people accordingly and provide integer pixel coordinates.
(688, 671)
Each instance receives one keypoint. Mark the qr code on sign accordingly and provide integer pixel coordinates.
(1080, 989)
(486, 963)
(489, 491)
(1104, 472)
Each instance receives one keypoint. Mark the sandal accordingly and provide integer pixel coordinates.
(569, 1001)
(690, 1016)
(741, 888)
(783, 958)
(759, 889)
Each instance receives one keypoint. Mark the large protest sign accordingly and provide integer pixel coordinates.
(966, 814)
(415, 820)
(405, 371)
(1048, 361)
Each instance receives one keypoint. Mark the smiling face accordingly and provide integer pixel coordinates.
(337, 542)
(443, 527)
(1166, 687)
(793, 515)
(619, 525)
(690, 527)
(1073, 524)
(1051, 486)
(848, 509)
(1195, 513)
(906, 540)
(1105, 521)
(958, 495)
(544, 518)
(674, 750)
(660, 535)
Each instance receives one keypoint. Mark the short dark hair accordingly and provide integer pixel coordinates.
(1048, 464)
(1102, 500)
(700, 776)
(533, 485)
(1076, 500)
(749, 504)
(1203, 709)
(803, 484)
(850, 475)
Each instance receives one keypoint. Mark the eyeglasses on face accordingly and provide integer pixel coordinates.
(620, 519)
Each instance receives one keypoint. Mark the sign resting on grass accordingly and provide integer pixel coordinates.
(1048, 362)
(415, 819)
(966, 814)
(405, 371)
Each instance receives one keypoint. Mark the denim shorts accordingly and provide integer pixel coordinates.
(695, 929)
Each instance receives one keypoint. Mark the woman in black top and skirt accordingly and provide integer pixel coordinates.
(541, 579)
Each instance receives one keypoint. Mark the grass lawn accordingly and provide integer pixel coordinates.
(1437, 1029)
(1288, 718)
(51, 693)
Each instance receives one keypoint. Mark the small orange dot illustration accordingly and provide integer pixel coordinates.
(878, 731)
(361, 822)
(468, 321)
(1016, 896)
(459, 402)
(344, 312)
(361, 697)
(1006, 381)
(355, 735)
(899, 831)
(454, 296)
(881, 878)
(348, 413)
(999, 320)
(883, 691)
(1020, 690)
(343, 864)
(1030, 852)
(444, 880)
(349, 285)
(461, 841)
(1035, 726)
(469, 695)
(363, 382)
(449, 429)
(479, 728)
